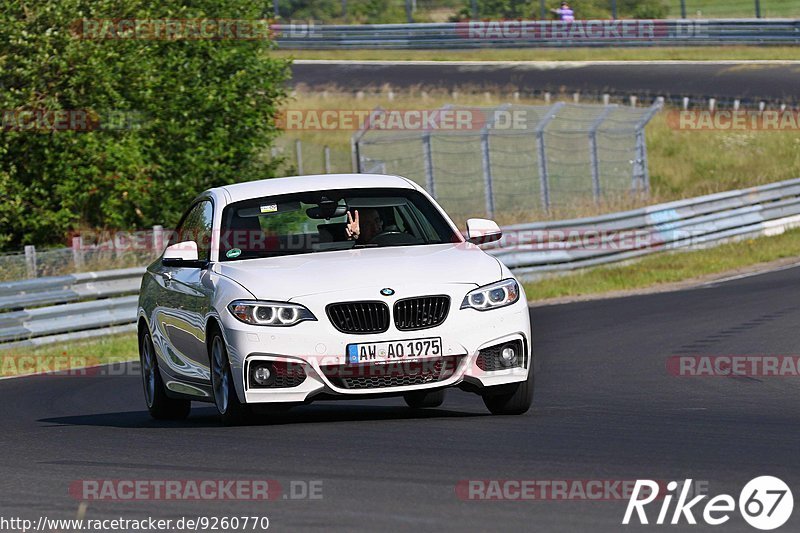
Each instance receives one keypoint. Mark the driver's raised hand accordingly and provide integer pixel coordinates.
(352, 229)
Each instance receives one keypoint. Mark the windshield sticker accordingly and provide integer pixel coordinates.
(233, 253)
(271, 208)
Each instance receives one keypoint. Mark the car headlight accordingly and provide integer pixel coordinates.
(261, 313)
(492, 296)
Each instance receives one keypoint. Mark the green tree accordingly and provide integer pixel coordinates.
(203, 114)
(324, 10)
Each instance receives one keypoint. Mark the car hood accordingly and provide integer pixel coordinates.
(287, 277)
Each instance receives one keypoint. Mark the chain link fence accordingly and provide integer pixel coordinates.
(515, 159)
(89, 252)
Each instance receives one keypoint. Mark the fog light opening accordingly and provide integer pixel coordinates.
(263, 374)
(508, 356)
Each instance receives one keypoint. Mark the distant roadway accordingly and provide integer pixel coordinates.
(773, 81)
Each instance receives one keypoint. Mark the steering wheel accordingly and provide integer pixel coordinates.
(389, 236)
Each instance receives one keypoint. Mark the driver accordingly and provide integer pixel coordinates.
(364, 228)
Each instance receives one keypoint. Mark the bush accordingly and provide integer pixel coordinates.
(203, 113)
(358, 11)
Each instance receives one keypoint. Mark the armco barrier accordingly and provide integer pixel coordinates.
(43, 310)
(38, 311)
(533, 33)
(532, 250)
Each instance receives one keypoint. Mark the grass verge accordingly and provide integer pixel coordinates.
(688, 53)
(668, 268)
(68, 356)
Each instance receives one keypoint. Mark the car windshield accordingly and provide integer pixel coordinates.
(321, 221)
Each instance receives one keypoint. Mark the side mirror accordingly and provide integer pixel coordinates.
(182, 254)
(481, 231)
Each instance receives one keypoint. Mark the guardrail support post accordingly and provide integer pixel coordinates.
(486, 160)
(30, 260)
(596, 189)
(758, 9)
(298, 149)
(326, 154)
(354, 160)
(683, 9)
(641, 173)
(487, 174)
(641, 180)
(427, 156)
(355, 140)
(544, 179)
(158, 239)
(77, 252)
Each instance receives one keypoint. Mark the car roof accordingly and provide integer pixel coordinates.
(274, 186)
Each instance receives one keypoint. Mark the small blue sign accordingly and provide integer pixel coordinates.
(352, 353)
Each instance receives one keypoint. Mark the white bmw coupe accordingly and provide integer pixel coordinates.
(284, 291)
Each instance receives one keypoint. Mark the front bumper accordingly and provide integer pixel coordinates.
(317, 345)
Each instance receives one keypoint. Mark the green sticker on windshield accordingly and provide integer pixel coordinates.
(233, 253)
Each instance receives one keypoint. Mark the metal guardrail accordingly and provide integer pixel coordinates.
(55, 309)
(534, 250)
(45, 310)
(540, 33)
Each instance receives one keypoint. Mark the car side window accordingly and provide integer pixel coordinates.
(196, 226)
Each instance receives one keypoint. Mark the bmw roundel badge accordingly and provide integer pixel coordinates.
(387, 291)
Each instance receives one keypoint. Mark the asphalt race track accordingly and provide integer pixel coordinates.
(749, 81)
(605, 408)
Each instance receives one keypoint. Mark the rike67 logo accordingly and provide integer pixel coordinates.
(765, 503)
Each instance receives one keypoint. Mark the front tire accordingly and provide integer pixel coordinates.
(423, 399)
(513, 399)
(231, 411)
(160, 406)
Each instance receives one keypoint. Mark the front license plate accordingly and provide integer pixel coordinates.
(380, 352)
